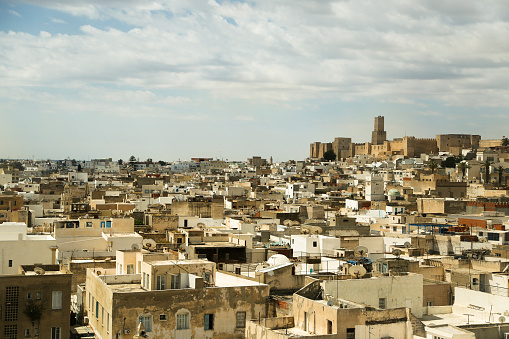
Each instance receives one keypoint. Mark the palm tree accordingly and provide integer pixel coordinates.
(463, 166)
(432, 165)
(500, 170)
(487, 165)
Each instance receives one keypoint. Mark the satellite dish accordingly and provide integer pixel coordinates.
(200, 225)
(330, 303)
(316, 230)
(287, 222)
(501, 319)
(98, 272)
(396, 252)
(39, 271)
(407, 244)
(135, 247)
(149, 243)
(357, 271)
(259, 267)
(304, 230)
(361, 250)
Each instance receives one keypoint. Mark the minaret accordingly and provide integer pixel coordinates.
(378, 136)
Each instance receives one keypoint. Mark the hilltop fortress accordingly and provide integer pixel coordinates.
(406, 146)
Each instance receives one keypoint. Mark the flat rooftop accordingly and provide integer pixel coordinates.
(227, 280)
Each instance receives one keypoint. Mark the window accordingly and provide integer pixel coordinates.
(163, 317)
(88, 224)
(56, 300)
(102, 224)
(108, 224)
(183, 321)
(315, 244)
(102, 315)
(491, 236)
(430, 303)
(10, 263)
(241, 319)
(175, 281)
(55, 333)
(11, 304)
(350, 333)
(161, 282)
(29, 296)
(97, 309)
(209, 321)
(146, 320)
(38, 295)
(130, 269)
(27, 333)
(381, 303)
(107, 321)
(11, 332)
(329, 327)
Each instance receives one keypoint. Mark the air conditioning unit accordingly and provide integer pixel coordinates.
(127, 331)
(85, 320)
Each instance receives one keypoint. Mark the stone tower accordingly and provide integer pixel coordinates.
(378, 136)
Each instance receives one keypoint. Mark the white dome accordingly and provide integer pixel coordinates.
(278, 259)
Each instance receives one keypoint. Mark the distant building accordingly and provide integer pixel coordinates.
(446, 141)
(378, 136)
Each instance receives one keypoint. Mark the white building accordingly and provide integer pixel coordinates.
(18, 248)
(375, 188)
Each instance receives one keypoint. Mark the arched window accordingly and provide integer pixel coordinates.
(183, 318)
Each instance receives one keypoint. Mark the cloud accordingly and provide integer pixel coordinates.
(276, 51)
(14, 13)
(58, 21)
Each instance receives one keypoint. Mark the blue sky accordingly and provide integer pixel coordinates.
(178, 79)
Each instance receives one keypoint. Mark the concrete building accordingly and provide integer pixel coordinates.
(19, 248)
(172, 299)
(36, 303)
(320, 315)
(375, 188)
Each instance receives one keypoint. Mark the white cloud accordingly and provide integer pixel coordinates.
(14, 13)
(58, 21)
(278, 51)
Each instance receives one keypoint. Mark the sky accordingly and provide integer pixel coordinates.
(177, 79)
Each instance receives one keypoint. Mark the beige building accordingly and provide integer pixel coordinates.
(464, 141)
(36, 303)
(318, 314)
(172, 299)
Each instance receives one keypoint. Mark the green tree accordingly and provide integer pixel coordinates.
(432, 165)
(463, 166)
(329, 155)
(450, 162)
(500, 170)
(487, 165)
(132, 158)
(505, 141)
